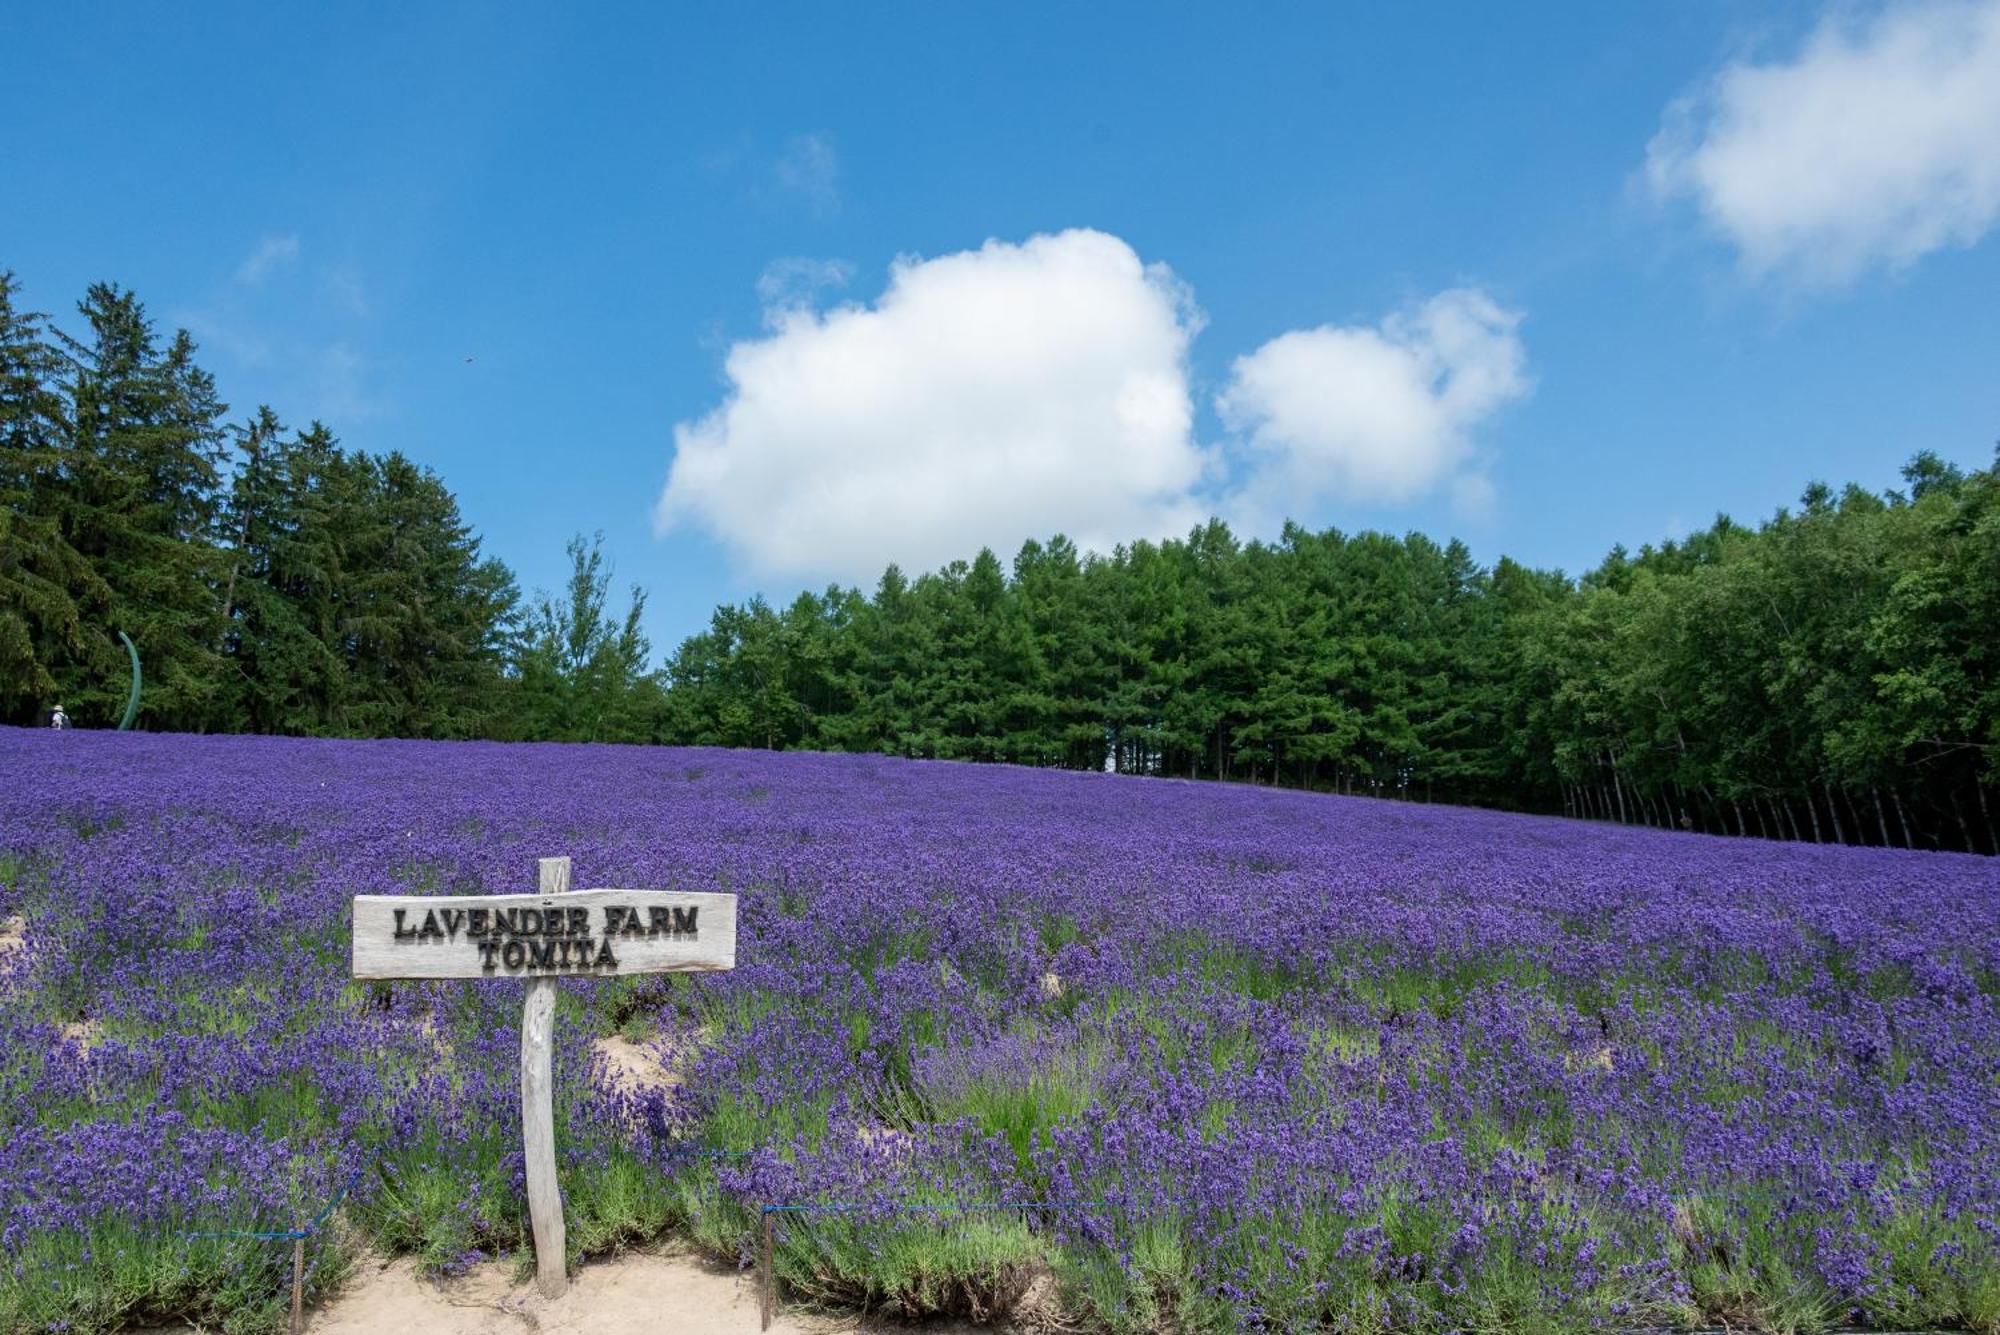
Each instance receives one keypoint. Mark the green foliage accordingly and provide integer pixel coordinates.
(582, 676)
(443, 1202)
(617, 1201)
(915, 1266)
(273, 582)
(1826, 676)
(113, 1279)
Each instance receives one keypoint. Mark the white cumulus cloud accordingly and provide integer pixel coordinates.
(1876, 144)
(985, 397)
(1019, 390)
(1379, 414)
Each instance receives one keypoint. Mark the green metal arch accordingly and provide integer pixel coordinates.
(132, 702)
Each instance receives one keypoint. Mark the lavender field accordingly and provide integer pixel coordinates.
(1287, 1061)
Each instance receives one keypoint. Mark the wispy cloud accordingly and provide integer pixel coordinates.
(227, 335)
(345, 293)
(797, 280)
(271, 254)
(810, 168)
(300, 345)
(339, 389)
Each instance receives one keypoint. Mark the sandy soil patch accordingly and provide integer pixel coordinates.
(1601, 1058)
(626, 1295)
(13, 935)
(637, 1067)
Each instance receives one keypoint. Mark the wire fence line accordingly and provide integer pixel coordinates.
(767, 1213)
(354, 1179)
(930, 1207)
(297, 1234)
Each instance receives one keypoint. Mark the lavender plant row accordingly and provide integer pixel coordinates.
(1303, 1061)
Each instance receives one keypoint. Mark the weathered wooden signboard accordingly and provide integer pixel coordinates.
(541, 938)
(587, 933)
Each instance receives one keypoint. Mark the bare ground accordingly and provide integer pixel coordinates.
(639, 1292)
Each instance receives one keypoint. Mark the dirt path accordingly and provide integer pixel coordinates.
(627, 1295)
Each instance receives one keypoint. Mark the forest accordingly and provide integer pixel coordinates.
(1828, 674)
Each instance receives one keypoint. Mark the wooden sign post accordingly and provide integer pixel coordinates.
(556, 933)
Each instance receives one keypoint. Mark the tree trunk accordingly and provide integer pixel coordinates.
(1882, 818)
(1791, 821)
(1618, 788)
(1833, 810)
(1902, 818)
(1964, 830)
(1758, 812)
(1854, 814)
(1741, 829)
(1812, 809)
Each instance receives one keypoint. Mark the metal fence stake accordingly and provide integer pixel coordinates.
(298, 1286)
(769, 1284)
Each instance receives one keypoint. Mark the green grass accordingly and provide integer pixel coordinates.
(616, 1202)
(439, 1202)
(112, 1277)
(1737, 1269)
(912, 1265)
(1023, 1112)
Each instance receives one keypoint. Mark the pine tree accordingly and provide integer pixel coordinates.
(52, 601)
(139, 503)
(423, 619)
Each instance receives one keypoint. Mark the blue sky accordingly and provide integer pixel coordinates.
(851, 283)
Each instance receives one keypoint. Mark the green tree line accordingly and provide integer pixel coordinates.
(274, 580)
(1828, 674)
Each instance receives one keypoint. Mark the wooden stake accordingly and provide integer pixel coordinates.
(770, 1284)
(538, 1116)
(298, 1286)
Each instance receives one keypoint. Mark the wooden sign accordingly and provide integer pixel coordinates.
(542, 938)
(589, 934)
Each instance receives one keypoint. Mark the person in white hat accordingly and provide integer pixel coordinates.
(59, 720)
